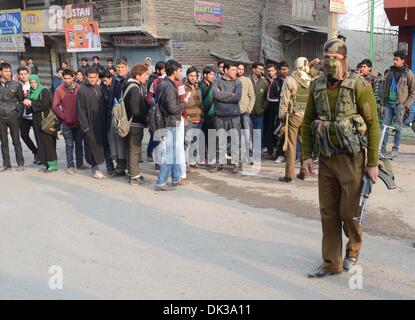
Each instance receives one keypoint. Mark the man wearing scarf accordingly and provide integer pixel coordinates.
(341, 121)
(39, 101)
(64, 105)
(294, 96)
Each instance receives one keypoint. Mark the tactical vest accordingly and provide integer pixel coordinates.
(301, 98)
(349, 126)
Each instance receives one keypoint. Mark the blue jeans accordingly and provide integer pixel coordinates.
(190, 139)
(247, 134)
(298, 151)
(73, 137)
(151, 146)
(393, 110)
(170, 158)
(411, 116)
(258, 123)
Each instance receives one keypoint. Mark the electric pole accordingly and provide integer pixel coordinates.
(333, 25)
(372, 26)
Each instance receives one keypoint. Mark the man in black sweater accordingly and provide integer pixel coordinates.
(227, 92)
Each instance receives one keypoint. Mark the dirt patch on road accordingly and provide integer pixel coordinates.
(383, 222)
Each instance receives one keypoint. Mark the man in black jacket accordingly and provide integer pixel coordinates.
(11, 94)
(227, 92)
(136, 109)
(171, 108)
(91, 117)
(118, 145)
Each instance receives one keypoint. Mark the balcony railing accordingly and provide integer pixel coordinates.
(115, 14)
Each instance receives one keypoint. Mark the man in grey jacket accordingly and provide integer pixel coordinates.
(227, 92)
(11, 95)
(398, 95)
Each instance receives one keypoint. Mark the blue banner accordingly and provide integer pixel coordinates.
(10, 22)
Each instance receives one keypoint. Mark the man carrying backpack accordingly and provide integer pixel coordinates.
(134, 93)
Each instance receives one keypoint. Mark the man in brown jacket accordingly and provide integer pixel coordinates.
(398, 96)
(193, 116)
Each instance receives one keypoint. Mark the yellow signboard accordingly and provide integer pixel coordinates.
(32, 21)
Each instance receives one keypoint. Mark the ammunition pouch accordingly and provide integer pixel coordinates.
(350, 132)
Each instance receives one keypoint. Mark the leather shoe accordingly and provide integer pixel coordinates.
(301, 176)
(181, 183)
(349, 262)
(320, 272)
(286, 179)
(162, 188)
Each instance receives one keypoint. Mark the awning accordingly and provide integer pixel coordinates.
(304, 28)
(235, 57)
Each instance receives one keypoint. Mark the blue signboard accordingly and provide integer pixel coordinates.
(10, 22)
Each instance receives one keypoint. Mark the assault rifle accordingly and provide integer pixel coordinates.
(385, 174)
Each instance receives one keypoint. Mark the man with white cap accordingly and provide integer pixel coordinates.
(294, 96)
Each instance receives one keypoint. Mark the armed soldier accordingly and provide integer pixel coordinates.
(294, 96)
(341, 122)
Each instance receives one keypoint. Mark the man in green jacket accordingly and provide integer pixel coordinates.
(340, 122)
(261, 102)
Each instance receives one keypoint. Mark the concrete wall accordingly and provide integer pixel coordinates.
(174, 19)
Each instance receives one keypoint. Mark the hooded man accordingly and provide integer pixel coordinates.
(341, 121)
(294, 96)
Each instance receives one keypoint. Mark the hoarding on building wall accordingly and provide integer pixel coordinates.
(32, 21)
(12, 44)
(10, 22)
(82, 37)
(208, 14)
(50, 20)
(78, 13)
(134, 41)
(337, 6)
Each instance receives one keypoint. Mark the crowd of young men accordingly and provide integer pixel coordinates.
(269, 100)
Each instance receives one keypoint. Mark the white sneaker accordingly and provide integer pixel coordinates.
(98, 175)
(280, 159)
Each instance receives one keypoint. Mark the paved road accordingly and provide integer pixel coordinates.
(114, 241)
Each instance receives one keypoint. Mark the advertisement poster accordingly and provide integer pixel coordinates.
(12, 44)
(37, 39)
(208, 14)
(82, 37)
(10, 22)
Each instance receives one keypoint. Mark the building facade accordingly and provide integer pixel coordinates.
(193, 32)
(402, 13)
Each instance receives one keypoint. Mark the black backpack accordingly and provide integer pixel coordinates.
(156, 118)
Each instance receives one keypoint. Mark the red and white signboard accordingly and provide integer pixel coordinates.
(337, 6)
